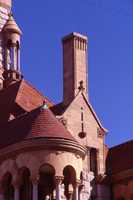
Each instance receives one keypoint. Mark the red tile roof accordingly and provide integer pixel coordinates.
(45, 124)
(18, 98)
(36, 124)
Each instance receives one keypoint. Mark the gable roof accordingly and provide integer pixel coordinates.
(94, 114)
(18, 98)
(60, 108)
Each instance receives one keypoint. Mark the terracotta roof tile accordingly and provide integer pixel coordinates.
(18, 98)
(45, 124)
(38, 123)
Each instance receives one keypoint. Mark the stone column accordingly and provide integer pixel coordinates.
(16, 193)
(35, 191)
(76, 191)
(35, 188)
(70, 192)
(18, 59)
(14, 57)
(7, 59)
(16, 184)
(58, 187)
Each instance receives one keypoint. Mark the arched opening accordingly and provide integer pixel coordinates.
(9, 55)
(18, 56)
(12, 56)
(25, 190)
(8, 187)
(69, 180)
(46, 184)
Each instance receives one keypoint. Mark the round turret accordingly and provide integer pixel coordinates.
(12, 34)
(6, 4)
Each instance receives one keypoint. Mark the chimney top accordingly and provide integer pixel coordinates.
(75, 35)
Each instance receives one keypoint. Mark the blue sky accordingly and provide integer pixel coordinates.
(109, 27)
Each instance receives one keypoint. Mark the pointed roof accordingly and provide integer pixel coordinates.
(60, 108)
(39, 123)
(45, 124)
(11, 26)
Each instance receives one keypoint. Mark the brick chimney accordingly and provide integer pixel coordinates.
(75, 75)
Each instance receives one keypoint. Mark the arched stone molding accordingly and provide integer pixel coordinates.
(8, 166)
(33, 160)
(29, 160)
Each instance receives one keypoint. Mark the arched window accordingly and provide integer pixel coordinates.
(69, 180)
(8, 187)
(46, 184)
(12, 55)
(25, 190)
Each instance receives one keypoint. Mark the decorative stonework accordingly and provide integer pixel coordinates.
(63, 121)
(87, 179)
(100, 133)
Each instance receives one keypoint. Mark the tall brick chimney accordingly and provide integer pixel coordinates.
(75, 74)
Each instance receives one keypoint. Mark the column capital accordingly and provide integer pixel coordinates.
(35, 179)
(16, 183)
(58, 179)
(77, 184)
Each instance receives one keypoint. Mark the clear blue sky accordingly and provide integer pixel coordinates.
(109, 26)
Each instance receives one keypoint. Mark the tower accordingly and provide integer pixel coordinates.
(9, 46)
(5, 9)
(11, 51)
(75, 66)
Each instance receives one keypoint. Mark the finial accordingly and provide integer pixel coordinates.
(44, 106)
(81, 86)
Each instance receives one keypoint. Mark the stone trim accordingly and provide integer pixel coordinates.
(43, 144)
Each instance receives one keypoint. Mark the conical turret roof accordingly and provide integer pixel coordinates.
(45, 124)
(11, 26)
(39, 123)
(39, 127)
